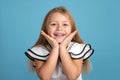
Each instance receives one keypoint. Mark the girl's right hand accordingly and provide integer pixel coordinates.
(50, 40)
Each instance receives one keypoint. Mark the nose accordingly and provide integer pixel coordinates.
(59, 27)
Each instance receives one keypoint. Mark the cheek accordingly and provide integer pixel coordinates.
(68, 31)
(50, 32)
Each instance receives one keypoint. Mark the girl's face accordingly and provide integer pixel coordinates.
(58, 27)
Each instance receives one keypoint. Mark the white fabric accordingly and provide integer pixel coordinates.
(75, 50)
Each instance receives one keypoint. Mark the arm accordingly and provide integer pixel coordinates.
(45, 69)
(72, 68)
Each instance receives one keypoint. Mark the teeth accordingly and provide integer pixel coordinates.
(59, 34)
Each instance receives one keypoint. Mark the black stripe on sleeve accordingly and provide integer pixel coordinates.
(32, 58)
(90, 54)
(81, 51)
(37, 54)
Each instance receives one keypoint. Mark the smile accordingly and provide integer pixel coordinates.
(59, 34)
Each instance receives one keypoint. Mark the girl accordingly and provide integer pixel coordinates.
(59, 53)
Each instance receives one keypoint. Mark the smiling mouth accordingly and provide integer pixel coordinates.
(59, 34)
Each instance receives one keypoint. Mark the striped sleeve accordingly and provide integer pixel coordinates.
(78, 51)
(37, 53)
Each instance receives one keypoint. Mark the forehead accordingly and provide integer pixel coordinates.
(58, 17)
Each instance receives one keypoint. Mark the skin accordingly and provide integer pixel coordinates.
(59, 35)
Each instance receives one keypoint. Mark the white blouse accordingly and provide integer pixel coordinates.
(75, 50)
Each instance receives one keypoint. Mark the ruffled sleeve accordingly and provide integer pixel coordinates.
(78, 51)
(37, 53)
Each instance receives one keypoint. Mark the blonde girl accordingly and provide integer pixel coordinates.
(59, 53)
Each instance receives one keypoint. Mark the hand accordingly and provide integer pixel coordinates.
(50, 40)
(68, 39)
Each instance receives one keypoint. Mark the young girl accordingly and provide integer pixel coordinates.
(59, 53)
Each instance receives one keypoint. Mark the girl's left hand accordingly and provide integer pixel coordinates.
(68, 39)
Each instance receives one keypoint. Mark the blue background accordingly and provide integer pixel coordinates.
(98, 22)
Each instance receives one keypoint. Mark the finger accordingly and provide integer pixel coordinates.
(72, 34)
(45, 35)
(70, 37)
(50, 40)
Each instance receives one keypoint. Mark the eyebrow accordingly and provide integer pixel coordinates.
(52, 21)
(65, 21)
(57, 21)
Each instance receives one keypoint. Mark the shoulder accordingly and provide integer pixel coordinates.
(78, 50)
(37, 52)
(40, 50)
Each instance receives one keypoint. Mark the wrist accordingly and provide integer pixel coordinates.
(55, 51)
(62, 47)
(55, 48)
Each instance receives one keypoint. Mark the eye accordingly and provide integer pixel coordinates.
(65, 24)
(53, 24)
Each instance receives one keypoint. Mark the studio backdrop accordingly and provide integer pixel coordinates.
(98, 23)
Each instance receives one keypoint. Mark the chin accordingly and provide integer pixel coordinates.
(59, 41)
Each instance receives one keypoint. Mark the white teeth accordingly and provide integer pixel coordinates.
(59, 34)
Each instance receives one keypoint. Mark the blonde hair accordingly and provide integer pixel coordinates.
(42, 41)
